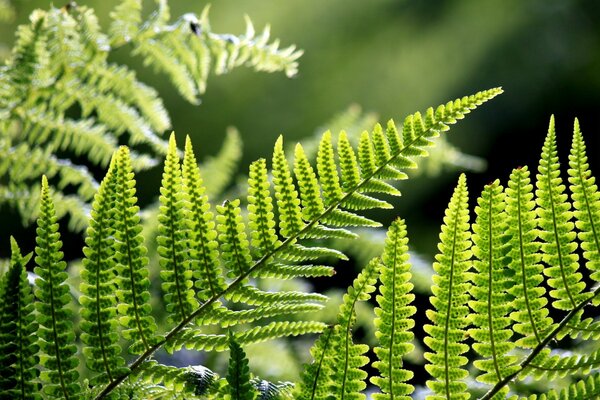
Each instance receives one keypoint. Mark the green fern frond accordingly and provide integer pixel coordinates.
(336, 373)
(557, 231)
(586, 202)
(202, 240)
(233, 240)
(558, 366)
(530, 313)
(177, 282)
(491, 302)
(238, 374)
(55, 332)
(450, 315)
(177, 383)
(584, 389)
(188, 50)
(272, 391)
(131, 261)
(98, 299)
(18, 327)
(394, 320)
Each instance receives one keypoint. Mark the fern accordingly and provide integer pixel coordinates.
(59, 93)
(450, 295)
(238, 375)
(18, 341)
(394, 320)
(55, 332)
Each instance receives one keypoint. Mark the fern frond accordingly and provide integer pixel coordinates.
(202, 242)
(238, 373)
(450, 315)
(177, 282)
(55, 332)
(558, 366)
(584, 389)
(557, 230)
(336, 373)
(491, 303)
(98, 299)
(233, 240)
(131, 261)
(188, 50)
(18, 327)
(394, 320)
(586, 202)
(530, 313)
(177, 382)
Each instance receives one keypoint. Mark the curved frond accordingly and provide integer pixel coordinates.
(394, 320)
(450, 314)
(55, 332)
(18, 328)
(491, 302)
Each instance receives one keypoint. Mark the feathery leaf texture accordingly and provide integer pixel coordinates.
(450, 315)
(238, 374)
(491, 303)
(55, 331)
(18, 327)
(98, 300)
(59, 92)
(393, 321)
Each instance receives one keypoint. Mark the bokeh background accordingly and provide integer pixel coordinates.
(390, 57)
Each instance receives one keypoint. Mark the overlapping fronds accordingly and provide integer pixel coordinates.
(55, 333)
(188, 50)
(98, 299)
(60, 93)
(491, 303)
(450, 315)
(557, 231)
(394, 323)
(336, 371)
(18, 328)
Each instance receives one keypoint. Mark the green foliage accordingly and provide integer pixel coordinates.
(18, 342)
(59, 93)
(238, 375)
(55, 332)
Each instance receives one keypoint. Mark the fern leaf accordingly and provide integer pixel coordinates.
(238, 374)
(288, 202)
(98, 300)
(202, 241)
(586, 202)
(584, 389)
(394, 317)
(450, 315)
(55, 332)
(491, 304)
(530, 313)
(556, 230)
(558, 366)
(337, 359)
(233, 239)
(219, 171)
(18, 327)
(177, 283)
(178, 383)
(130, 257)
(260, 209)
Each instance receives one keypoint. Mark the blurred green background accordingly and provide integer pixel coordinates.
(393, 57)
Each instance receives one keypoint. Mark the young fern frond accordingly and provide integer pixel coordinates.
(131, 262)
(450, 315)
(586, 203)
(55, 332)
(530, 312)
(177, 282)
(98, 299)
(394, 320)
(491, 303)
(18, 327)
(188, 50)
(556, 230)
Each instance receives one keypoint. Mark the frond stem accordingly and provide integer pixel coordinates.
(540, 346)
